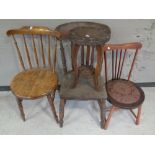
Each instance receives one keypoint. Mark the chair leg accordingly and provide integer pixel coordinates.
(102, 105)
(138, 115)
(109, 117)
(20, 106)
(51, 102)
(61, 112)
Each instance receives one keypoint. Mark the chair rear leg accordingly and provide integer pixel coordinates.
(20, 106)
(109, 117)
(61, 111)
(51, 102)
(102, 106)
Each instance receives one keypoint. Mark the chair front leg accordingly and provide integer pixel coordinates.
(109, 117)
(61, 111)
(138, 115)
(102, 106)
(51, 102)
(20, 106)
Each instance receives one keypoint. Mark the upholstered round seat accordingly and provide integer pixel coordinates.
(34, 83)
(124, 93)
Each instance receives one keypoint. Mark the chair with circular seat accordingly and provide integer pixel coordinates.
(38, 78)
(119, 60)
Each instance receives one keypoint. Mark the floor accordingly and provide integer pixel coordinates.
(81, 117)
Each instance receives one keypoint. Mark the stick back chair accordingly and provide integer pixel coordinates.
(84, 89)
(38, 77)
(121, 92)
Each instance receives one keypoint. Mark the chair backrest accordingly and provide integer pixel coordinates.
(122, 59)
(34, 44)
(86, 54)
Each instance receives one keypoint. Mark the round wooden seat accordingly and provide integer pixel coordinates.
(34, 83)
(124, 94)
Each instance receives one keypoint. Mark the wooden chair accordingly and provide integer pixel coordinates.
(121, 92)
(37, 79)
(84, 89)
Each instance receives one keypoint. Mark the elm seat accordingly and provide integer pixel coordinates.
(34, 83)
(124, 93)
(84, 89)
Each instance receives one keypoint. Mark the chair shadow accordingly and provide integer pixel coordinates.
(92, 110)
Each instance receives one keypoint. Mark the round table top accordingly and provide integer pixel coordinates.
(85, 32)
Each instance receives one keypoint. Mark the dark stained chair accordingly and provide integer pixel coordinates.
(38, 77)
(85, 88)
(119, 60)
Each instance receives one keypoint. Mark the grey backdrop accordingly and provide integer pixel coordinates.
(123, 30)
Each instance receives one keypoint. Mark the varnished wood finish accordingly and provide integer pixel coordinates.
(34, 35)
(37, 79)
(19, 53)
(119, 54)
(20, 106)
(51, 102)
(34, 30)
(34, 83)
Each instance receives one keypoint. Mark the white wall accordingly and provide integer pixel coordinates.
(122, 31)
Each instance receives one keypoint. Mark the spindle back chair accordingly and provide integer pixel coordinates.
(122, 93)
(31, 36)
(119, 54)
(36, 49)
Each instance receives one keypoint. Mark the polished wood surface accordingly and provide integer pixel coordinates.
(34, 30)
(34, 83)
(35, 39)
(119, 59)
(36, 49)
(121, 92)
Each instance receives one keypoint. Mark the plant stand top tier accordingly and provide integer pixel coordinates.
(85, 33)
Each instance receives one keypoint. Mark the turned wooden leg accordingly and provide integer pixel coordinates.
(51, 102)
(101, 103)
(138, 115)
(61, 112)
(20, 106)
(109, 117)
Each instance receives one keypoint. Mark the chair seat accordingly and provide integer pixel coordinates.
(84, 89)
(34, 83)
(124, 93)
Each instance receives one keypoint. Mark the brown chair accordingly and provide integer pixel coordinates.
(84, 89)
(38, 78)
(121, 92)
